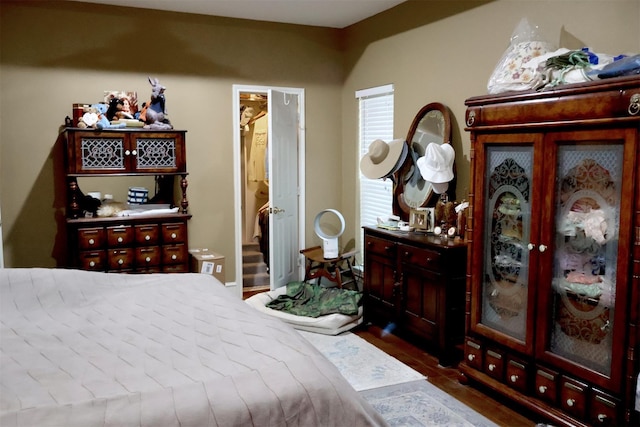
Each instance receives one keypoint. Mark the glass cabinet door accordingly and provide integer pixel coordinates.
(157, 152)
(507, 227)
(99, 153)
(582, 296)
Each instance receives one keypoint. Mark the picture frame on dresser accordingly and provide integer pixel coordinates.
(422, 219)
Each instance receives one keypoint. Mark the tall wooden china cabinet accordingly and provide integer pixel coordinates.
(155, 242)
(553, 272)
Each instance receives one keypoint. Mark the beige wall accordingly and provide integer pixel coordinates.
(54, 54)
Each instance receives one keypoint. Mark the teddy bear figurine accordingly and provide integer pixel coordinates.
(103, 121)
(89, 118)
(95, 117)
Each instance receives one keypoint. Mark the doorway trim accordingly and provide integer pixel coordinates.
(238, 178)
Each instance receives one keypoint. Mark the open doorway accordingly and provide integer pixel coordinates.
(269, 185)
(254, 114)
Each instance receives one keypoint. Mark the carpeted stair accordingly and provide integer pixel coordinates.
(254, 270)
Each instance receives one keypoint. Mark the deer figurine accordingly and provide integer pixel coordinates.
(154, 115)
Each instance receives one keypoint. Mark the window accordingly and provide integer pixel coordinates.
(376, 122)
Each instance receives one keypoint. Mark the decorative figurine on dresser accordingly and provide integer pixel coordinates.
(553, 288)
(142, 234)
(414, 278)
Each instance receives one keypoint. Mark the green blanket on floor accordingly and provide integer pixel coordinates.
(305, 299)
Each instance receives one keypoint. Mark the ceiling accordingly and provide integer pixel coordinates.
(321, 13)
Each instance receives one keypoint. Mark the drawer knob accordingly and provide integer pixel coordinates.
(127, 152)
(602, 418)
(174, 257)
(134, 152)
(148, 259)
(92, 264)
(173, 235)
(571, 402)
(120, 239)
(514, 378)
(542, 248)
(492, 367)
(471, 357)
(531, 246)
(542, 389)
(120, 261)
(147, 237)
(92, 242)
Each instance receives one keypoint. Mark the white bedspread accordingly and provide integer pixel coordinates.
(99, 349)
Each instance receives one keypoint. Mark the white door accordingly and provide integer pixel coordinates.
(287, 182)
(283, 188)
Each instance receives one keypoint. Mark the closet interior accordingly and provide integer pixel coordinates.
(255, 191)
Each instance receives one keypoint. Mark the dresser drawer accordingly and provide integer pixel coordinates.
(473, 354)
(573, 397)
(147, 256)
(517, 374)
(147, 234)
(92, 260)
(174, 254)
(494, 364)
(420, 257)
(604, 409)
(119, 236)
(378, 246)
(174, 232)
(546, 385)
(120, 259)
(91, 238)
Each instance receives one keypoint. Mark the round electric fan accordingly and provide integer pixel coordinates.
(329, 241)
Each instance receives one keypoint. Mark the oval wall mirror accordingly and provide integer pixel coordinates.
(431, 124)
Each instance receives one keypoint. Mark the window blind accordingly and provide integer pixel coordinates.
(376, 122)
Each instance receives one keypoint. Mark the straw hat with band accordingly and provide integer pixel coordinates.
(383, 159)
(436, 166)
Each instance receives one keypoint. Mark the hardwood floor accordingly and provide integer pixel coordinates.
(491, 406)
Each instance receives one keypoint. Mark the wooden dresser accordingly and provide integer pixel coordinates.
(553, 289)
(137, 243)
(415, 284)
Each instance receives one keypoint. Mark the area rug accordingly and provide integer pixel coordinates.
(399, 393)
(421, 404)
(361, 363)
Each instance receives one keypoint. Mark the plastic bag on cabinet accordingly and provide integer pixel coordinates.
(518, 66)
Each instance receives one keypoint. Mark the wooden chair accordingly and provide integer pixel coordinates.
(317, 267)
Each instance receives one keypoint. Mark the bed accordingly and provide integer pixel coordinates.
(88, 349)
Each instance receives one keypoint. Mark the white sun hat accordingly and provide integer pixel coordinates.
(436, 165)
(383, 158)
(440, 187)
